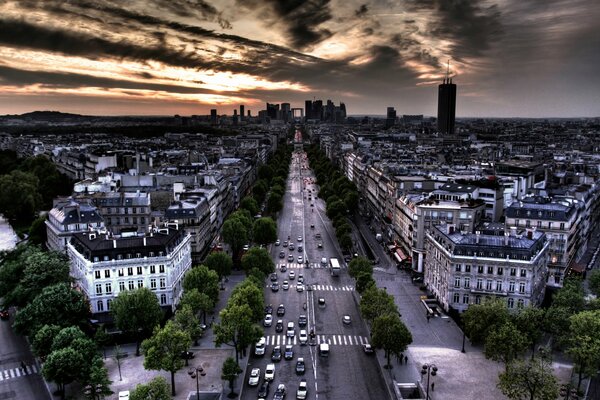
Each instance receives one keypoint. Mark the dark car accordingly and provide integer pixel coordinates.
(279, 326)
(282, 268)
(269, 309)
(289, 352)
(276, 354)
(187, 355)
(275, 287)
(4, 314)
(300, 366)
(302, 320)
(280, 310)
(273, 277)
(280, 392)
(263, 391)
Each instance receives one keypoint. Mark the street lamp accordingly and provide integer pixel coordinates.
(429, 370)
(463, 342)
(195, 373)
(568, 393)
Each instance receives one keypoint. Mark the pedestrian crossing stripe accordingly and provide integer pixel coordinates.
(17, 372)
(335, 340)
(303, 265)
(329, 288)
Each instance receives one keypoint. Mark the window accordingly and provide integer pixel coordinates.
(456, 282)
(138, 255)
(480, 269)
(562, 226)
(498, 286)
(139, 270)
(457, 267)
(456, 298)
(520, 303)
(96, 259)
(480, 283)
(134, 220)
(500, 271)
(161, 269)
(142, 220)
(477, 299)
(130, 271)
(131, 285)
(107, 273)
(521, 287)
(488, 284)
(163, 299)
(467, 283)
(153, 283)
(152, 269)
(120, 271)
(163, 283)
(121, 286)
(98, 288)
(97, 274)
(108, 288)
(467, 268)
(523, 272)
(528, 224)
(108, 303)
(126, 220)
(119, 256)
(513, 272)
(465, 299)
(140, 283)
(511, 302)
(511, 287)
(539, 224)
(490, 270)
(151, 254)
(100, 305)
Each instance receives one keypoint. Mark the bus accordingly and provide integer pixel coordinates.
(335, 267)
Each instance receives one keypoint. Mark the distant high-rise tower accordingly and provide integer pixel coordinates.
(242, 112)
(446, 105)
(308, 105)
(213, 116)
(390, 119)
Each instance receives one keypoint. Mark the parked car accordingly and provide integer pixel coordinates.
(300, 366)
(254, 377)
(124, 395)
(302, 391)
(187, 355)
(269, 309)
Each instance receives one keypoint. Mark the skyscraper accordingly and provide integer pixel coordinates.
(446, 106)
(241, 112)
(213, 116)
(390, 119)
(308, 105)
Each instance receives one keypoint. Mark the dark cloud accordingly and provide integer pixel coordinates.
(361, 11)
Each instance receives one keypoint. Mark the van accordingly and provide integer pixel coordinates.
(324, 350)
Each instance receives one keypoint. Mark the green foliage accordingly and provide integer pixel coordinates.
(390, 334)
(19, 196)
(235, 234)
(98, 379)
(264, 230)
(230, 372)
(335, 209)
(249, 203)
(358, 266)
(37, 232)
(156, 389)
(236, 328)
(258, 258)
(275, 203)
(163, 350)
(364, 280)
(583, 342)
(505, 343)
(186, 320)
(199, 302)
(530, 322)
(51, 182)
(247, 292)
(570, 296)
(529, 380)
(42, 269)
(345, 242)
(66, 337)
(481, 319)
(12, 270)
(136, 313)
(256, 276)
(376, 302)
(57, 304)
(260, 190)
(594, 282)
(342, 230)
(203, 279)
(265, 172)
(43, 339)
(63, 367)
(351, 201)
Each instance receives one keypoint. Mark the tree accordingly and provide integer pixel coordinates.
(343, 229)
(66, 337)
(265, 172)
(274, 203)
(102, 338)
(235, 235)
(594, 282)
(98, 380)
(163, 350)
(57, 304)
(187, 321)
(42, 269)
(19, 196)
(583, 342)
(264, 230)
(346, 242)
(376, 302)
(156, 389)
(359, 265)
(42, 341)
(247, 292)
(530, 322)
(351, 201)
(229, 373)
(391, 335)
(203, 279)
(258, 258)
(480, 319)
(529, 380)
(364, 280)
(63, 367)
(199, 302)
(260, 189)
(220, 262)
(236, 328)
(570, 296)
(505, 343)
(249, 203)
(37, 232)
(556, 322)
(136, 313)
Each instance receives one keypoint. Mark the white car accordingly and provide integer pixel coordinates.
(259, 348)
(346, 319)
(299, 238)
(300, 259)
(291, 331)
(303, 337)
(302, 391)
(124, 395)
(277, 242)
(300, 287)
(270, 372)
(268, 320)
(254, 377)
(285, 285)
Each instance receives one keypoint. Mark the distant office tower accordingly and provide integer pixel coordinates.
(242, 112)
(235, 117)
(446, 106)
(308, 108)
(286, 112)
(272, 110)
(317, 110)
(343, 110)
(390, 119)
(213, 116)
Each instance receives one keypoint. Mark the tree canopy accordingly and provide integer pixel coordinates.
(505, 343)
(230, 372)
(247, 292)
(220, 262)
(203, 279)
(391, 335)
(249, 203)
(480, 319)
(526, 380)
(359, 265)
(156, 389)
(237, 328)
(258, 258)
(376, 302)
(264, 230)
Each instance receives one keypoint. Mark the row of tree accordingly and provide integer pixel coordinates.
(339, 193)
(571, 323)
(239, 229)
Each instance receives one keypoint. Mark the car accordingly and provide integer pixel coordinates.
(281, 310)
(291, 331)
(273, 277)
(292, 275)
(321, 302)
(368, 349)
(124, 395)
(246, 247)
(300, 259)
(323, 261)
(309, 287)
(269, 372)
(346, 319)
(312, 226)
(282, 254)
(269, 309)
(302, 321)
(275, 287)
(318, 236)
(300, 248)
(289, 352)
(254, 377)
(302, 391)
(282, 268)
(312, 205)
(319, 245)
(279, 326)
(280, 392)
(285, 285)
(300, 278)
(276, 354)
(299, 238)
(300, 287)
(277, 242)
(291, 258)
(187, 355)
(285, 243)
(300, 366)
(4, 314)
(303, 337)
(263, 391)
(268, 320)
(259, 347)
(291, 247)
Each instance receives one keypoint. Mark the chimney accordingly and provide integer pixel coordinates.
(144, 241)
(506, 236)
(114, 243)
(513, 231)
(529, 234)
(477, 235)
(450, 229)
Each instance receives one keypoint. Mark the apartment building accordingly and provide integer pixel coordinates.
(193, 216)
(67, 218)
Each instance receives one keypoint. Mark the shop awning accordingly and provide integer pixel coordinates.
(399, 253)
(391, 247)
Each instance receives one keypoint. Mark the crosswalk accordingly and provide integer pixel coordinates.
(303, 265)
(17, 372)
(323, 288)
(333, 340)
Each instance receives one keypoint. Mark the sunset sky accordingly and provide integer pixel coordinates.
(521, 58)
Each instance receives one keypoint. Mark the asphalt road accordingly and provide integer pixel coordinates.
(14, 382)
(347, 373)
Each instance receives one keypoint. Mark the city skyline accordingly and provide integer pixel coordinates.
(161, 57)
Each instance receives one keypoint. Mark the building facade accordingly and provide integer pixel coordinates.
(67, 218)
